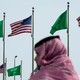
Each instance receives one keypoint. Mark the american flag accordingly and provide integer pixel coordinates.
(1, 68)
(22, 26)
(78, 19)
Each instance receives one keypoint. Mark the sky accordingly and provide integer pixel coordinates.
(45, 14)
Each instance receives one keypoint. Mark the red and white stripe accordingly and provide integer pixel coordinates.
(18, 28)
(1, 70)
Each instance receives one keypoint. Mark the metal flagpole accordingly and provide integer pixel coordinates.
(32, 39)
(3, 46)
(5, 68)
(15, 64)
(21, 71)
(68, 27)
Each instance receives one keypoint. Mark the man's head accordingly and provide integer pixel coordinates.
(42, 48)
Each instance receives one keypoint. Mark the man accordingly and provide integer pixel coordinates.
(51, 57)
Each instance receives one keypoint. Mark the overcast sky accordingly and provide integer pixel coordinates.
(45, 14)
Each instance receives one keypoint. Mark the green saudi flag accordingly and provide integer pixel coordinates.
(1, 28)
(60, 24)
(14, 71)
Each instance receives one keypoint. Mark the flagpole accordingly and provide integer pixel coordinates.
(3, 45)
(5, 68)
(32, 39)
(68, 27)
(15, 64)
(21, 71)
